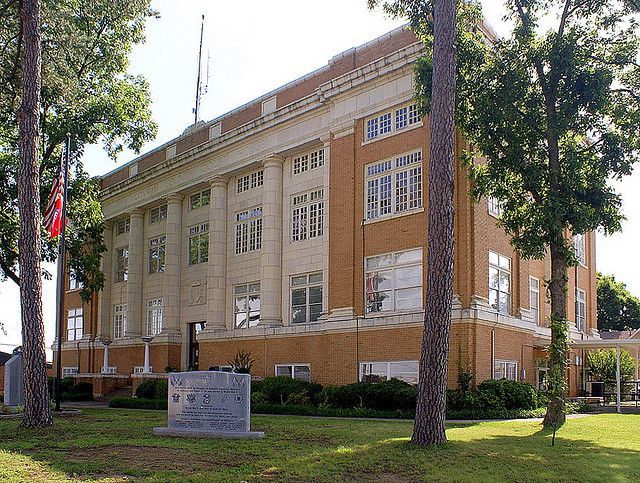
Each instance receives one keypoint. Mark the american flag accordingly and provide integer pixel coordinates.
(52, 216)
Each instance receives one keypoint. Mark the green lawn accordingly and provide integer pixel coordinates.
(106, 445)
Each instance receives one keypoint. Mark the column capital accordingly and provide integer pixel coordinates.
(174, 198)
(273, 160)
(219, 181)
(136, 213)
(325, 139)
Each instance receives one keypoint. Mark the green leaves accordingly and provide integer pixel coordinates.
(618, 309)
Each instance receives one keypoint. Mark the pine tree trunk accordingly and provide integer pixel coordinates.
(37, 412)
(431, 407)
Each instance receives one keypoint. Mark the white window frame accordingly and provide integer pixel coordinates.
(505, 369)
(534, 295)
(306, 282)
(248, 231)
(292, 370)
(494, 206)
(199, 199)
(69, 371)
(372, 271)
(157, 252)
(157, 214)
(391, 121)
(307, 215)
(307, 161)
(119, 321)
(74, 283)
(581, 310)
(155, 314)
(389, 373)
(199, 238)
(123, 226)
(394, 186)
(246, 291)
(250, 181)
(75, 324)
(579, 248)
(502, 270)
(122, 264)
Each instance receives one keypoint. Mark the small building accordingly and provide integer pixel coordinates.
(4, 357)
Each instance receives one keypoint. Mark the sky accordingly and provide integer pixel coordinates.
(253, 47)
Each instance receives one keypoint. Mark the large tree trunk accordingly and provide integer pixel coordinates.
(431, 407)
(37, 412)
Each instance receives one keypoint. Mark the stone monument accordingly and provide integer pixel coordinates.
(209, 404)
(14, 381)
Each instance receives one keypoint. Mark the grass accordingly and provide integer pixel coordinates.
(108, 444)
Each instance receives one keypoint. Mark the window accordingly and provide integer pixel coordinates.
(534, 299)
(69, 371)
(394, 281)
(156, 254)
(198, 200)
(494, 206)
(296, 371)
(246, 305)
(505, 370)
(499, 282)
(74, 283)
(154, 317)
(307, 215)
(406, 371)
(542, 369)
(199, 244)
(250, 181)
(119, 320)
(158, 213)
(249, 230)
(123, 226)
(122, 264)
(306, 298)
(74, 324)
(581, 309)
(306, 161)
(579, 249)
(394, 186)
(392, 121)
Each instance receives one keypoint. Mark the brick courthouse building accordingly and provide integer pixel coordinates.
(295, 228)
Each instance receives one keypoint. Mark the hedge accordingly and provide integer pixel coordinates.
(153, 389)
(137, 403)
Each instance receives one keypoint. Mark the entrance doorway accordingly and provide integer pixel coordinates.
(194, 329)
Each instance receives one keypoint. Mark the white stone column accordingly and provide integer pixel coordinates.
(172, 267)
(134, 274)
(217, 265)
(106, 265)
(105, 360)
(147, 342)
(271, 258)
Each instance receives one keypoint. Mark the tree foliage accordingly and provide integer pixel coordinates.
(601, 365)
(87, 92)
(618, 309)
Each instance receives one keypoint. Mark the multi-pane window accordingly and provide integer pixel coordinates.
(249, 230)
(494, 206)
(499, 282)
(74, 324)
(250, 181)
(199, 244)
(505, 370)
(393, 282)
(74, 283)
(157, 214)
(123, 226)
(119, 320)
(406, 371)
(246, 305)
(157, 247)
(581, 309)
(198, 200)
(579, 249)
(307, 215)
(296, 371)
(154, 317)
(306, 298)
(122, 264)
(392, 121)
(306, 161)
(534, 299)
(394, 185)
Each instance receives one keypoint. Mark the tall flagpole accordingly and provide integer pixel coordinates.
(62, 268)
(197, 109)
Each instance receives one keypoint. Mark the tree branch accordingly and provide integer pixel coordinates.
(9, 272)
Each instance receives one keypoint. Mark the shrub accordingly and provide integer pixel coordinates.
(137, 403)
(278, 389)
(508, 394)
(258, 398)
(153, 389)
(386, 395)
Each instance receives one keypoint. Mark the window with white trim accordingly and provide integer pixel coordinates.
(307, 161)
(119, 320)
(74, 283)
(296, 371)
(534, 299)
(74, 324)
(249, 230)
(157, 248)
(499, 282)
(391, 121)
(122, 264)
(393, 186)
(246, 305)
(123, 226)
(250, 181)
(579, 249)
(199, 244)
(406, 371)
(505, 370)
(581, 309)
(494, 206)
(393, 282)
(306, 298)
(307, 215)
(200, 199)
(158, 214)
(154, 317)
(69, 371)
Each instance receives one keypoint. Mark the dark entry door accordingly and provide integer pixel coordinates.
(194, 328)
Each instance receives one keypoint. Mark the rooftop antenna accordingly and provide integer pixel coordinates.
(196, 111)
